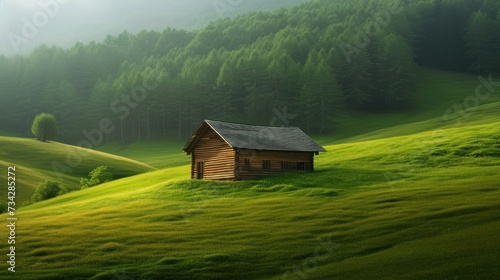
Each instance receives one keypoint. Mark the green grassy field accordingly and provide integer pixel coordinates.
(391, 207)
(416, 198)
(160, 154)
(38, 161)
(437, 91)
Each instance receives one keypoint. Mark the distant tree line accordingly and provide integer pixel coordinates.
(313, 61)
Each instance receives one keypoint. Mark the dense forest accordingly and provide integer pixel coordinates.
(111, 17)
(300, 66)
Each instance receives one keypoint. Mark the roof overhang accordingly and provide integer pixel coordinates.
(202, 129)
(234, 143)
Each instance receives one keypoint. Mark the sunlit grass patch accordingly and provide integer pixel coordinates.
(421, 206)
(37, 162)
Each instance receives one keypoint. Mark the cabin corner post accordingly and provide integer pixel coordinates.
(193, 162)
(237, 164)
(312, 162)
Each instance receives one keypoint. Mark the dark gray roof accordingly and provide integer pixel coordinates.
(259, 137)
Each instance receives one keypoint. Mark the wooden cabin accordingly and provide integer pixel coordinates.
(229, 151)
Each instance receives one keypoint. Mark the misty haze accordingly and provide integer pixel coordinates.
(65, 22)
(249, 139)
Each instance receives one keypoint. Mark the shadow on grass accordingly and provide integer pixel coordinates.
(324, 182)
(338, 178)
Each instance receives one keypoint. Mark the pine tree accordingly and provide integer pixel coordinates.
(496, 43)
(356, 81)
(320, 98)
(480, 43)
(258, 89)
(397, 69)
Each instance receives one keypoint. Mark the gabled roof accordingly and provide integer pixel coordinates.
(253, 137)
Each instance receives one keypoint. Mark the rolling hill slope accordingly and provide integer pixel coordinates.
(159, 154)
(419, 206)
(410, 195)
(36, 162)
(437, 92)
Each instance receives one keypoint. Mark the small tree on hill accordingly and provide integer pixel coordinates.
(97, 176)
(47, 190)
(44, 127)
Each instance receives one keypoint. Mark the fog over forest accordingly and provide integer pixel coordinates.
(315, 61)
(25, 24)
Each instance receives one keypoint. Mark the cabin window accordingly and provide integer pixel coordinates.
(285, 165)
(266, 164)
(247, 164)
(301, 166)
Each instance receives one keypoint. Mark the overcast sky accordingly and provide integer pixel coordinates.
(24, 24)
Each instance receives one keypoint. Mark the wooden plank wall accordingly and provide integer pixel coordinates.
(217, 155)
(275, 158)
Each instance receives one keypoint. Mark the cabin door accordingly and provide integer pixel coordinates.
(200, 169)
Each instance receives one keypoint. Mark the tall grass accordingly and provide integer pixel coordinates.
(412, 197)
(408, 207)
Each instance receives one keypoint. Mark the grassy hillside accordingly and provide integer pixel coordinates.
(161, 154)
(398, 196)
(436, 92)
(37, 161)
(421, 206)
